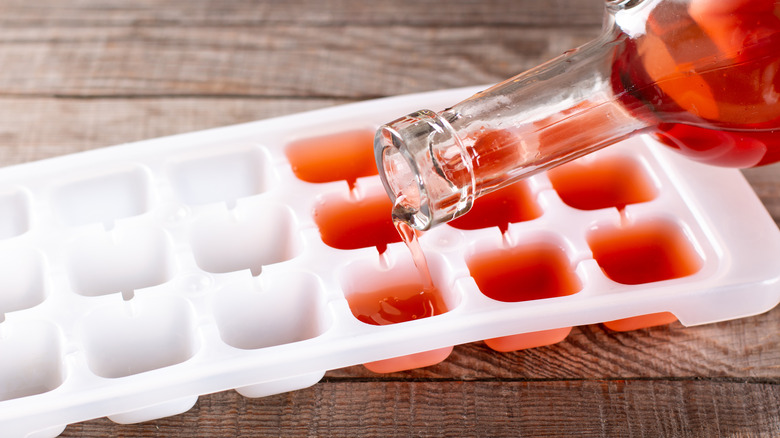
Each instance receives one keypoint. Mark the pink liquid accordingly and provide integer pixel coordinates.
(708, 73)
(511, 204)
(409, 237)
(348, 223)
(524, 273)
(344, 156)
(396, 304)
(408, 300)
(644, 253)
(603, 183)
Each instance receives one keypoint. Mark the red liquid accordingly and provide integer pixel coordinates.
(409, 236)
(508, 205)
(397, 303)
(603, 183)
(640, 322)
(346, 223)
(709, 76)
(403, 302)
(528, 340)
(645, 252)
(492, 151)
(410, 361)
(345, 156)
(523, 273)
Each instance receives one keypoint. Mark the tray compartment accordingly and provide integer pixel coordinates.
(351, 220)
(103, 197)
(286, 308)
(32, 359)
(390, 291)
(15, 220)
(644, 251)
(531, 270)
(22, 279)
(121, 260)
(604, 181)
(254, 234)
(537, 268)
(342, 156)
(139, 335)
(513, 204)
(226, 174)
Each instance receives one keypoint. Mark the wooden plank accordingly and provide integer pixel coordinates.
(765, 181)
(593, 408)
(37, 128)
(351, 62)
(747, 348)
(14, 13)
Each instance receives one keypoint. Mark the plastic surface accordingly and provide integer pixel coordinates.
(138, 277)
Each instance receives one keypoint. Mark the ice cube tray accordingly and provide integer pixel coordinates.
(137, 277)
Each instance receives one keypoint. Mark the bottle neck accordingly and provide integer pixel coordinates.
(433, 165)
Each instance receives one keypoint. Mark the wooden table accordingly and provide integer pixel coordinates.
(78, 75)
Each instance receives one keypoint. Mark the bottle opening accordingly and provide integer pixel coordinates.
(425, 169)
(399, 177)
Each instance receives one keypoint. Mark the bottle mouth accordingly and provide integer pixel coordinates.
(424, 169)
(400, 177)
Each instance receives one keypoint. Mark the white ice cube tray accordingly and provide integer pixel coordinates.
(137, 277)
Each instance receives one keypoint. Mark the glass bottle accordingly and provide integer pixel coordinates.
(703, 76)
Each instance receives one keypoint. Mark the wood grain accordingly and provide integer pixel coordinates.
(37, 128)
(764, 181)
(603, 408)
(78, 75)
(746, 349)
(280, 61)
(301, 13)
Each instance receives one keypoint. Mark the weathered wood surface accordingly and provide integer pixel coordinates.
(589, 408)
(78, 75)
(244, 49)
